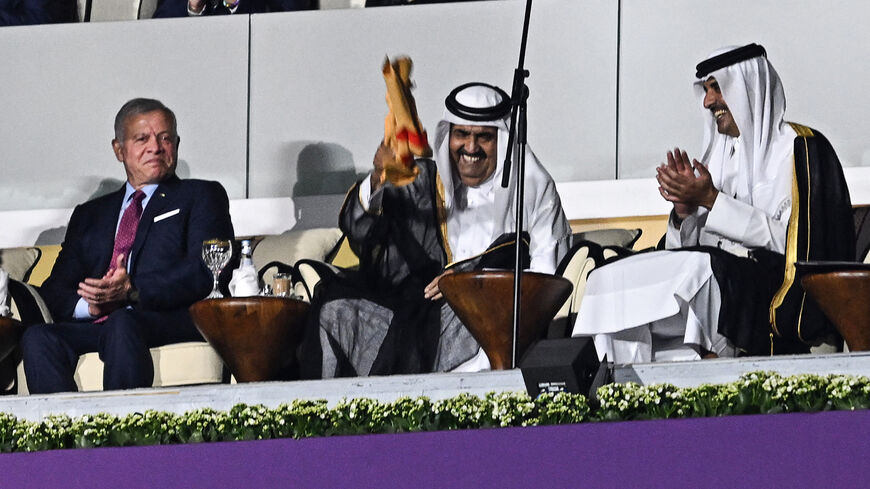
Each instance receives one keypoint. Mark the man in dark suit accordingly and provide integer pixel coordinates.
(130, 264)
(193, 8)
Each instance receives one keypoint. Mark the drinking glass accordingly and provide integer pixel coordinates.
(216, 254)
(282, 285)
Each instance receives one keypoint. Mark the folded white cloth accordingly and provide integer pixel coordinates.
(4, 288)
(244, 282)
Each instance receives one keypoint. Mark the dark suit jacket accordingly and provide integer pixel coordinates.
(167, 266)
(178, 8)
(30, 12)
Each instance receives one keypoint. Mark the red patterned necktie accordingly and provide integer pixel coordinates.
(126, 234)
(127, 229)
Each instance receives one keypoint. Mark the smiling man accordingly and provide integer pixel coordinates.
(766, 193)
(130, 263)
(714, 102)
(391, 318)
(472, 152)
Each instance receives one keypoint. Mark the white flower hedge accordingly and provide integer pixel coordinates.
(753, 393)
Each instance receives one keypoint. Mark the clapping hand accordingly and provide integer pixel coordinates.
(108, 293)
(679, 184)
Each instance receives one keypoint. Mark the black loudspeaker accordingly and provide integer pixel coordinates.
(566, 364)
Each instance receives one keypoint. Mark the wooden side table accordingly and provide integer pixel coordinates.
(255, 336)
(842, 291)
(483, 301)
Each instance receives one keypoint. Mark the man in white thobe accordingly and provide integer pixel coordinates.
(738, 210)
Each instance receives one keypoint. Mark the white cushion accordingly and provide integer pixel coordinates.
(292, 246)
(19, 262)
(112, 10)
(577, 270)
(308, 278)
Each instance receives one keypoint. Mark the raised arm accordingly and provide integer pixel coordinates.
(699, 205)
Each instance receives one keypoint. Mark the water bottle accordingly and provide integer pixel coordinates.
(247, 251)
(244, 282)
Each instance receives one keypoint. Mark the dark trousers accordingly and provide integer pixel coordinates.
(51, 351)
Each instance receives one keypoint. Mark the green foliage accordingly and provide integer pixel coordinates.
(91, 431)
(357, 417)
(410, 414)
(148, 428)
(633, 401)
(302, 419)
(8, 437)
(245, 422)
(753, 393)
(198, 426)
(562, 408)
(55, 431)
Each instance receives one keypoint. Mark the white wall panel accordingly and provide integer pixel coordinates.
(317, 94)
(316, 101)
(63, 85)
(818, 48)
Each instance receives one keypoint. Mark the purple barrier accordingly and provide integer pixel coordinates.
(791, 450)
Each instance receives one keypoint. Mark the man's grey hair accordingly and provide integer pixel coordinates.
(139, 106)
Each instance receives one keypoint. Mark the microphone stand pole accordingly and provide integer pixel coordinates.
(519, 97)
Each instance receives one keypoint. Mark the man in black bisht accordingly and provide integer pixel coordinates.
(389, 317)
(766, 194)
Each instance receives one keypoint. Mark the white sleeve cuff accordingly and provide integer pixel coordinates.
(81, 310)
(369, 200)
(688, 232)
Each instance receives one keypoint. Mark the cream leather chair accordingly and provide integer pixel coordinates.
(175, 364)
(115, 10)
(291, 246)
(580, 260)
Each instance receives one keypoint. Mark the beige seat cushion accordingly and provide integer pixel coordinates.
(608, 253)
(112, 10)
(292, 246)
(19, 262)
(176, 364)
(309, 277)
